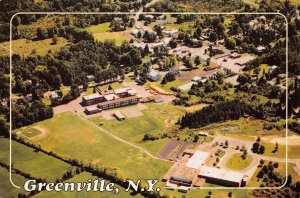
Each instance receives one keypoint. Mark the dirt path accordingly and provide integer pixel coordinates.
(124, 141)
(44, 133)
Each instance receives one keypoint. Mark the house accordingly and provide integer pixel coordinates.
(272, 68)
(196, 79)
(201, 133)
(153, 75)
(54, 95)
(117, 19)
(171, 33)
(149, 16)
(260, 49)
(162, 17)
(119, 116)
(174, 70)
(91, 78)
(136, 33)
(92, 110)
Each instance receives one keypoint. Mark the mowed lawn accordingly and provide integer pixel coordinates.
(236, 162)
(31, 132)
(37, 164)
(6, 189)
(73, 137)
(154, 121)
(41, 47)
(83, 177)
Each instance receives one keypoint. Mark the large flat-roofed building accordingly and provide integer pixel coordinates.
(197, 160)
(119, 102)
(92, 110)
(223, 177)
(111, 98)
(92, 99)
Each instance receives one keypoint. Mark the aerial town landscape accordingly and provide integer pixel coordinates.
(197, 101)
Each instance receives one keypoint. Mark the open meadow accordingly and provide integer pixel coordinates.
(71, 136)
(6, 189)
(35, 163)
(40, 47)
(101, 32)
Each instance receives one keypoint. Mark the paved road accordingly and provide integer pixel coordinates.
(233, 142)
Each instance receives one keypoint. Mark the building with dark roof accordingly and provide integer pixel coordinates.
(111, 98)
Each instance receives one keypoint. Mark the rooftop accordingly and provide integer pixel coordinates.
(197, 159)
(91, 108)
(91, 96)
(118, 100)
(111, 96)
(221, 174)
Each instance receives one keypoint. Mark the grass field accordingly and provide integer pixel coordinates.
(236, 162)
(83, 177)
(166, 87)
(101, 32)
(184, 26)
(37, 164)
(41, 47)
(6, 189)
(218, 193)
(281, 169)
(71, 136)
(118, 37)
(103, 27)
(152, 122)
(31, 132)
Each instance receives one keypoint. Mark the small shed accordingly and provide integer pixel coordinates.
(119, 116)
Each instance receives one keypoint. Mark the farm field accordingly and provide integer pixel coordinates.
(37, 164)
(41, 47)
(6, 189)
(83, 177)
(118, 37)
(103, 27)
(71, 136)
(237, 163)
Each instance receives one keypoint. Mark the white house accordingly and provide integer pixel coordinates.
(153, 75)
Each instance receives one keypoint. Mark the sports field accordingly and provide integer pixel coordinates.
(155, 121)
(31, 132)
(83, 177)
(71, 136)
(37, 164)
